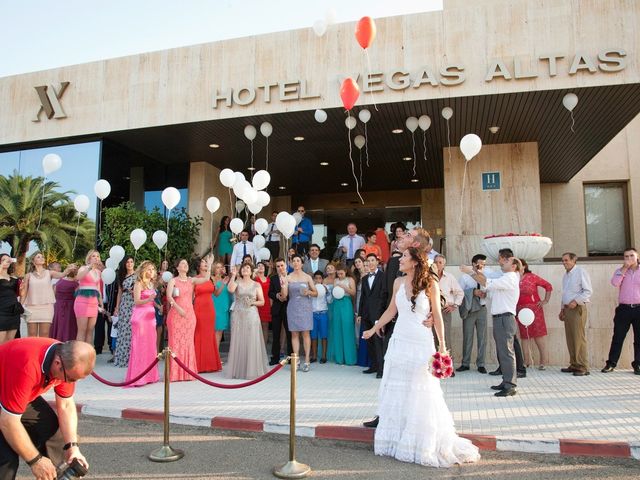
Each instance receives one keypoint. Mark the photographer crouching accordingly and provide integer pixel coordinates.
(29, 427)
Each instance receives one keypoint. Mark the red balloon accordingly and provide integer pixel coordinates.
(365, 32)
(349, 92)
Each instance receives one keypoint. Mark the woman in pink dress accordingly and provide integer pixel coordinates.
(529, 298)
(207, 355)
(143, 327)
(181, 321)
(88, 296)
(264, 311)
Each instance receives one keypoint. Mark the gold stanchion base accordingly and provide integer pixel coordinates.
(166, 453)
(292, 469)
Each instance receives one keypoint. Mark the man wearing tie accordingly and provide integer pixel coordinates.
(314, 263)
(278, 310)
(273, 237)
(242, 248)
(373, 302)
(351, 242)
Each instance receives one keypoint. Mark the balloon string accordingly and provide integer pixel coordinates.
(573, 122)
(99, 239)
(166, 248)
(360, 155)
(353, 168)
(449, 140)
(267, 165)
(424, 144)
(44, 182)
(464, 181)
(413, 141)
(366, 53)
(251, 159)
(76, 236)
(212, 232)
(230, 203)
(366, 143)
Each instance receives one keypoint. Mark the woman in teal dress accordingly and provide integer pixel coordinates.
(221, 300)
(224, 245)
(342, 341)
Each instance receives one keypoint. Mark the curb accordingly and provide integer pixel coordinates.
(568, 447)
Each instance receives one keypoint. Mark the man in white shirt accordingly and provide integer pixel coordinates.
(351, 242)
(473, 312)
(453, 294)
(504, 293)
(314, 263)
(242, 248)
(272, 235)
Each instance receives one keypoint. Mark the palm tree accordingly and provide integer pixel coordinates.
(20, 200)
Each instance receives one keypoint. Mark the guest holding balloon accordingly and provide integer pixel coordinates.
(221, 300)
(537, 331)
(264, 311)
(64, 326)
(320, 309)
(143, 327)
(181, 321)
(123, 310)
(223, 243)
(342, 342)
(88, 296)
(303, 231)
(207, 355)
(272, 235)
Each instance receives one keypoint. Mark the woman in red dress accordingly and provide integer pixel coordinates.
(537, 331)
(265, 310)
(207, 354)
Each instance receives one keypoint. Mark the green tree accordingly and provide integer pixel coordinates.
(20, 200)
(119, 221)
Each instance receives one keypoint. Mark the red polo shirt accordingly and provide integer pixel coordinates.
(24, 373)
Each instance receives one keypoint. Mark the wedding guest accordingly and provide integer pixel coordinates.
(453, 294)
(224, 242)
(537, 331)
(314, 263)
(206, 349)
(160, 305)
(371, 306)
(473, 312)
(342, 341)
(64, 326)
(123, 310)
(264, 311)
(243, 248)
(303, 234)
(38, 297)
(371, 246)
(382, 240)
(279, 324)
(221, 301)
(397, 230)
(143, 327)
(351, 242)
(431, 253)
(291, 252)
(88, 296)
(358, 271)
(10, 307)
(320, 309)
(247, 353)
(299, 288)
(273, 237)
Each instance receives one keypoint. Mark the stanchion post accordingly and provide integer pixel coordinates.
(292, 469)
(166, 453)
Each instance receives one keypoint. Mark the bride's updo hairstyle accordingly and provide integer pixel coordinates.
(423, 276)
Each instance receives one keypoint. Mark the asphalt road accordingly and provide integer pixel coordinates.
(119, 449)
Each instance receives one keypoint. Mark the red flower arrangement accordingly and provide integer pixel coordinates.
(441, 365)
(511, 234)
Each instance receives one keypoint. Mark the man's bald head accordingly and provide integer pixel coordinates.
(78, 356)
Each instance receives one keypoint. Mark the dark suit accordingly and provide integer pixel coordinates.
(390, 274)
(373, 303)
(278, 319)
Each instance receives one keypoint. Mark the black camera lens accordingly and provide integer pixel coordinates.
(74, 470)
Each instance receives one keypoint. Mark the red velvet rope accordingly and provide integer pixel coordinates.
(124, 384)
(226, 385)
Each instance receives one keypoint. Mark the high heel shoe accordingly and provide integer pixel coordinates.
(306, 367)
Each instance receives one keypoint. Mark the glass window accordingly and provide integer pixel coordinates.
(607, 218)
(153, 199)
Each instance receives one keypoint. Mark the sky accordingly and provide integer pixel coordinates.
(41, 34)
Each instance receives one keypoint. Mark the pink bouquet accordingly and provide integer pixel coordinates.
(441, 365)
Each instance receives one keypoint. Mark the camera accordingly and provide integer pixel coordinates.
(71, 471)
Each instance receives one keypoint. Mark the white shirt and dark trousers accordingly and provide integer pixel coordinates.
(240, 250)
(576, 285)
(504, 293)
(272, 236)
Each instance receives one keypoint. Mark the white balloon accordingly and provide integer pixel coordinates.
(250, 196)
(291, 224)
(350, 122)
(138, 237)
(117, 253)
(250, 132)
(51, 162)
(320, 116)
(424, 122)
(240, 206)
(321, 289)
(166, 276)
(240, 187)
(258, 242)
(447, 112)
(81, 202)
(330, 16)
(526, 316)
(264, 253)
(108, 276)
(364, 115)
(236, 225)
(170, 197)
(412, 124)
(338, 293)
(213, 204)
(359, 141)
(298, 218)
(111, 263)
(288, 231)
(261, 180)
(239, 178)
(227, 177)
(261, 225)
(254, 208)
(570, 100)
(281, 220)
(263, 199)
(470, 145)
(266, 129)
(102, 189)
(319, 27)
(160, 238)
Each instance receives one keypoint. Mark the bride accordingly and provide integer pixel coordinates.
(415, 424)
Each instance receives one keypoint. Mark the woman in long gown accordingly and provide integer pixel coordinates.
(207, 355)
(123, 310)
(181, 321)
(143, 327)
(64, 326)
(247, 353)
(415, 423)
(342, 336)
(221, 301)
(264, 312)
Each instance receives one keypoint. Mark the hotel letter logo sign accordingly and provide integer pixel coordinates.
(50, 101)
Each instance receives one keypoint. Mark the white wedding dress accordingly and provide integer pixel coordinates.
(415, 424)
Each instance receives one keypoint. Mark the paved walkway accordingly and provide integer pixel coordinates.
(549, 406)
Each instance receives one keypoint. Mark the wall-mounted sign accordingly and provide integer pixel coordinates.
(50, 101)
(490, 180)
